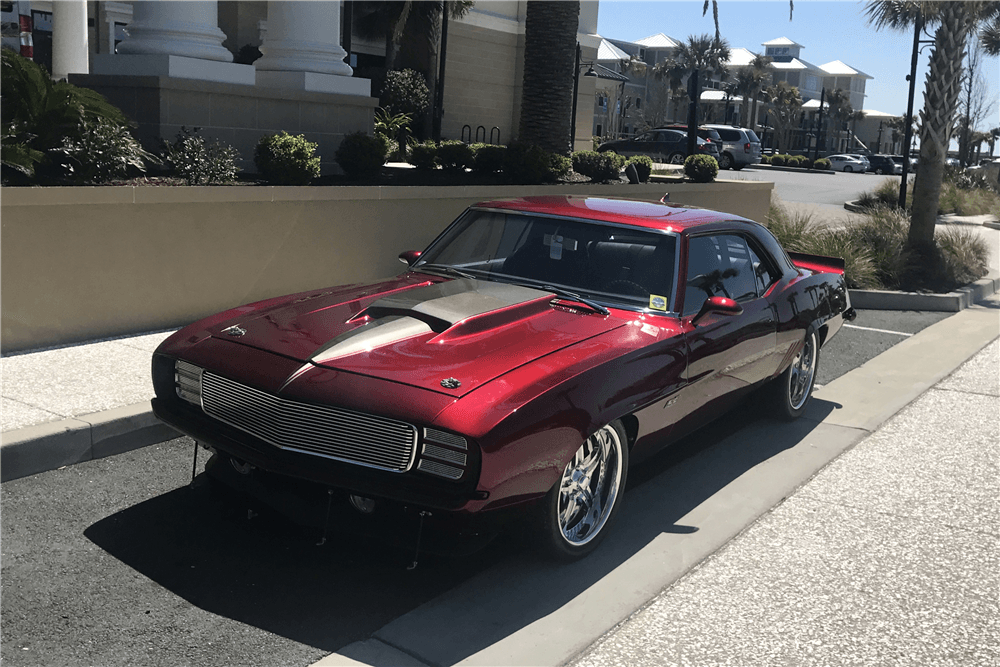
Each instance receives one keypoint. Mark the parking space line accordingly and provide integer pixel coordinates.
(886, 331)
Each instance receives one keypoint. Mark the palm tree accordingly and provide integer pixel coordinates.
(761, 66)
(994, 136)
(715, 12)
(838, 104)
(702, 53)
(786, 102)
(550, 30)
(954, 21)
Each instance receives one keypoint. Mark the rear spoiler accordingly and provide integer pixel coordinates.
(817, 263)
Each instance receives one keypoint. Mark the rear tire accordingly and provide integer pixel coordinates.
(790, 392)
(848, 168)
(578, 510)
(725, 161)
(676, 158)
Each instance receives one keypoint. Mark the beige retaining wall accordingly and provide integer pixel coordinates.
(86, 263)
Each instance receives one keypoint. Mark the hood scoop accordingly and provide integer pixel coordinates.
(448, 310)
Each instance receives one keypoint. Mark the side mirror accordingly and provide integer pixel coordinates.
(717, 305)
(409, 257)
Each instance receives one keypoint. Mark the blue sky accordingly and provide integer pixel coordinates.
(829, 30)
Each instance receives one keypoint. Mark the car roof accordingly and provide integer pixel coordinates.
(644, 214)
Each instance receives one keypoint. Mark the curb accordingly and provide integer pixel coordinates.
(799, 170)
(43, 447)
(952, 302)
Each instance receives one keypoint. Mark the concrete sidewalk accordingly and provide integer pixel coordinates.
(889, 556)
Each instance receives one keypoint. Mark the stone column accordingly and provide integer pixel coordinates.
(169, 27)
(303, 36)
(70, 44)
(179, 40)
(302, 49)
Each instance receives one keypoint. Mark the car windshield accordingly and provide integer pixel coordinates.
(611, 265)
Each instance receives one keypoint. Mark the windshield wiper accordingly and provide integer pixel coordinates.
(576, 297)
(445, 269)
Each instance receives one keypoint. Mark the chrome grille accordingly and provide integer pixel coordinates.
(335, 433)
(444, 438)
(443, 454)
(439, 469)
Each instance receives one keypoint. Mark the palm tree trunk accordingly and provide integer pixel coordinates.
(550, 29)
(940, 104)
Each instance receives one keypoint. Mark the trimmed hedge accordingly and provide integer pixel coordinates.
(283, 159)
(424, 155)
(455, 155)
(362, 156)
(643, 166)
(488, 158)
(701, 168)
(822, 164)
(529, 164)
(599, 167)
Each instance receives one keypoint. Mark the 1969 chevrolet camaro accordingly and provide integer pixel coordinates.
(522, 360)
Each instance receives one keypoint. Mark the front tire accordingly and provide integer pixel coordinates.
(577, 512)
(791, 392)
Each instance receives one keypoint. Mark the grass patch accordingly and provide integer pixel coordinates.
(874, 249)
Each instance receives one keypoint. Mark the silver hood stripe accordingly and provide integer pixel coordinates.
(423, 310)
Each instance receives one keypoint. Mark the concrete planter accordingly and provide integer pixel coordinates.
(88, 263)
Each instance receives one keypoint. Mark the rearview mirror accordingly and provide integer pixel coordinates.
(718, 305)
(409, 257)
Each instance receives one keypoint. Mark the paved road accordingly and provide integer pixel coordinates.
(117, 562)
(815, 188)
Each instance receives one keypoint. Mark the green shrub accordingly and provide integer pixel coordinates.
(765, 159)
(405, 92)
(391, 127)
(362, 156)
(778, 160)
(882, 232)
(822, 164)
(599, 167)
(424, 155)
(790, 228)
(596, 141)
(800, 161)
(488, 158)
(99, 151)
(455, 155)
(529, 164)
(40, 115)
(199, 162)
(643, 166)
(283, 159)
(701, 168)
(964, 253)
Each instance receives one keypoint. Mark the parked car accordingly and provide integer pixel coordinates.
(705, 132)
(898, 159)
(846, 163)
(517, 367)
(884, 164)
(740, 146)
(661, 144)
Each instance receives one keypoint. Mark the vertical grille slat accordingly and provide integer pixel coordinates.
(335, 433)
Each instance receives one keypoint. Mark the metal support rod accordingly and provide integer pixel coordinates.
(194, 464)
(420, 532)
(819, 124)
(918, 25)
(326, 521)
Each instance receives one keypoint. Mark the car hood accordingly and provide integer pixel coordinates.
(449, 337)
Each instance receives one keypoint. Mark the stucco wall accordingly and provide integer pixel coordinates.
(85, 263)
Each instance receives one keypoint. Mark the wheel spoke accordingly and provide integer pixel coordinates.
(589, 486)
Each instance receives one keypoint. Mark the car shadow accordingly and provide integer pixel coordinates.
(269, 573)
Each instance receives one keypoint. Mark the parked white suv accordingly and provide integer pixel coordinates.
(740, 146)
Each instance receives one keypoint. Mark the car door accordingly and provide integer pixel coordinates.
(726, 353)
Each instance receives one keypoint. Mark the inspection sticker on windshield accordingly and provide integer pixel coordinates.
(657, 302)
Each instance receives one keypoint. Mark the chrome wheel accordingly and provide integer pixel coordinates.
(590, 486)
(677, 158)
(801, 373)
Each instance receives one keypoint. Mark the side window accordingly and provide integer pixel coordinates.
(718, 266)
(763, 268)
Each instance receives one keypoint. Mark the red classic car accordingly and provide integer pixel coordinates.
(521, 361)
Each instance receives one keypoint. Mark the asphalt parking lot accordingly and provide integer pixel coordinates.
(117, 562)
